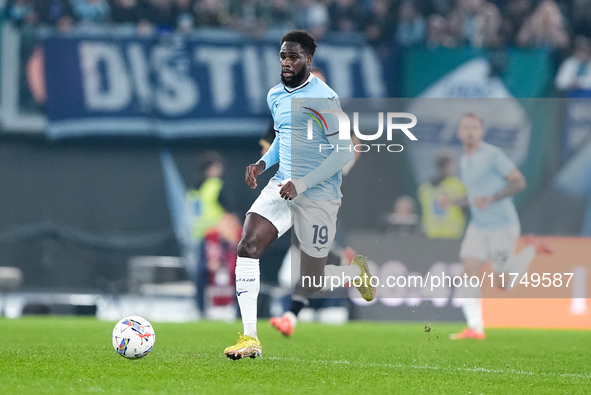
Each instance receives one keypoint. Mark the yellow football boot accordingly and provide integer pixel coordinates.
(365, 289)
(247, 346)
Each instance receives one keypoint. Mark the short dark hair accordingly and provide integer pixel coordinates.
(302, 37)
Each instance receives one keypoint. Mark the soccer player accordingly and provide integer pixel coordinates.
(304, 192)
(491, 179)
(287, 322)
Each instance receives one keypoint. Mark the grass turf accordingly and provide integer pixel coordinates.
(72, 355)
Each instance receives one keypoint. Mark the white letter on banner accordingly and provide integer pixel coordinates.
(108, 92)
(338, 61)
(176, 92)
(220, 62)
(271, 66)
(253, 78)
(371, 70)
(140, 74)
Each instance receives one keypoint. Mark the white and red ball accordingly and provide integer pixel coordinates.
(133, 337)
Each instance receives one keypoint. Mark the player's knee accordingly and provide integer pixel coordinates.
(248, 248)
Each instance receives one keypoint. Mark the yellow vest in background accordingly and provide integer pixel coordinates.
(439, 223)
(206, 208)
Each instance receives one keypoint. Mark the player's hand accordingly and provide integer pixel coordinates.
(252, 172)
(288, 190)
(483, 202)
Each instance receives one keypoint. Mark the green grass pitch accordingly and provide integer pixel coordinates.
(74, 355)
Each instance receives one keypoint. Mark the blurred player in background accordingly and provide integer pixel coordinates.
(307, 194)
(491, 179)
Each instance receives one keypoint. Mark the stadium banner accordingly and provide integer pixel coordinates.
(474, 73)
(22, 88)
(554, 293)
(181, 86)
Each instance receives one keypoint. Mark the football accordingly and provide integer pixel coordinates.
(133, 337)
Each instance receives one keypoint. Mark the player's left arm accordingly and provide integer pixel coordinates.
(340, 156)
(342, 153)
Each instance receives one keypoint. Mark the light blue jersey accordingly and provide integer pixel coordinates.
(484, 173)
(298, 155)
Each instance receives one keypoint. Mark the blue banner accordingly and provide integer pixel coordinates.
(177, 86)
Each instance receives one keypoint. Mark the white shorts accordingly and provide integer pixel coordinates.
(314, 220)
(495, 245)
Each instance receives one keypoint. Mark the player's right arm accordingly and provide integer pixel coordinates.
(270, 158)
(252, 172)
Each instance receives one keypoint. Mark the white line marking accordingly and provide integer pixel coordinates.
(443, 369)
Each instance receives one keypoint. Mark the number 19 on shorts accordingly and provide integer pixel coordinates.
(320, 234)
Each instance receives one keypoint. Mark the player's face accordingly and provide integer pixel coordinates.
(470, 131)
(295, 64)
